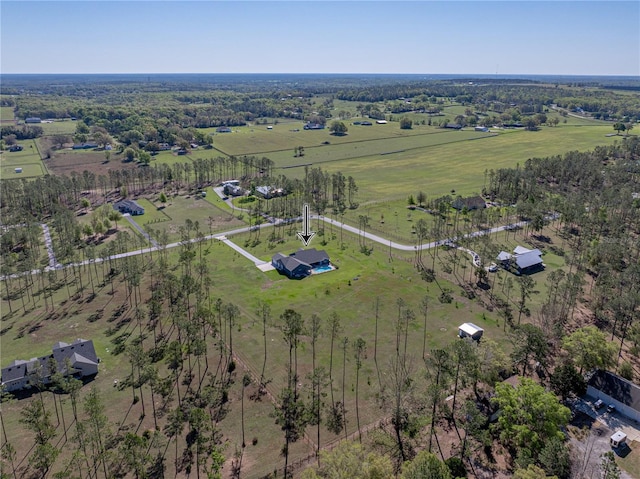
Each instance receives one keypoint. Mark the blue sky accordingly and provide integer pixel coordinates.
(508, 37)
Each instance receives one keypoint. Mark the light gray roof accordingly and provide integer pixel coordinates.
(529, 259)
(504, 256)
(78, 358)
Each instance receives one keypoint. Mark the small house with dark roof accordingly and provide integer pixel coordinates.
(84, 146)
(300, 264)
(78, 359)
(129, 206)
(470, 203)
(612, 389)
(33, 119)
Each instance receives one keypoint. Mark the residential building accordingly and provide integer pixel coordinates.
(33, 119)
(470, 203)
(523, 260)
(300, 264)
(129, 206)
(78, 359)
(616, 391)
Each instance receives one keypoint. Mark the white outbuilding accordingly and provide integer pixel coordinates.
(470, 330)
(618, 439)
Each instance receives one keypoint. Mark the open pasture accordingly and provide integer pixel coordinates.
(6, 114)
(383, 147)
(259, 140)
(28, 159)
(172, 217)
(460, 165)
(58, 127)
(63, 162)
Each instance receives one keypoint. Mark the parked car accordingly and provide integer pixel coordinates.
(611, 408)
(598, 404)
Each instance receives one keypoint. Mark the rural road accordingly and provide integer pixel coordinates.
(258, 262)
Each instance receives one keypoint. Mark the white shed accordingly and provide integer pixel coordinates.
(618, 439)
(470, 330)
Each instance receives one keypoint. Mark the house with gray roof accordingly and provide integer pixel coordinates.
(300, 264)
(78, 359)
(129, 206)
(523, 260)
(613, 389)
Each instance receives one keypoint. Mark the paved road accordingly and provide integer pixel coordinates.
(257, 261)
(140, 229)
(53, 264)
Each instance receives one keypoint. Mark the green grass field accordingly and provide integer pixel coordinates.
(62, 127)
(6, 113)
(28, 159)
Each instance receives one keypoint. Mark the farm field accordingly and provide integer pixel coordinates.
(28, 159)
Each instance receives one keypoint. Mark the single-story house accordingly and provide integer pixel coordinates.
(80, 356)
(232, 190)
(471, 203)
(14, 148)
(523, 259)
(481, 128)
(381, 122)
(612, 389)
(268, 192)
(470, 330)
(299, 265)
(18, 170)
(223, 129)
(314, 126)
(84, 146)
(366, 123)
(129, 206)
(33, 119)
(453, 126)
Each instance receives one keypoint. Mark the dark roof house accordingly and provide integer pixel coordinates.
(613, 389)
(78, 358)
(84, 146)
(129, 206)
(33, 119)
(471, 203)
(300, 264)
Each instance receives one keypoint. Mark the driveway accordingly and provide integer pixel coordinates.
(598, 426)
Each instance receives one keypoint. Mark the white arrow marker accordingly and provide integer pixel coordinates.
(305, 235)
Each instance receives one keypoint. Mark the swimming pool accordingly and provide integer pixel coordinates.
(322, 269)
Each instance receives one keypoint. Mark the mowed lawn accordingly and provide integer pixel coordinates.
(28, 159)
